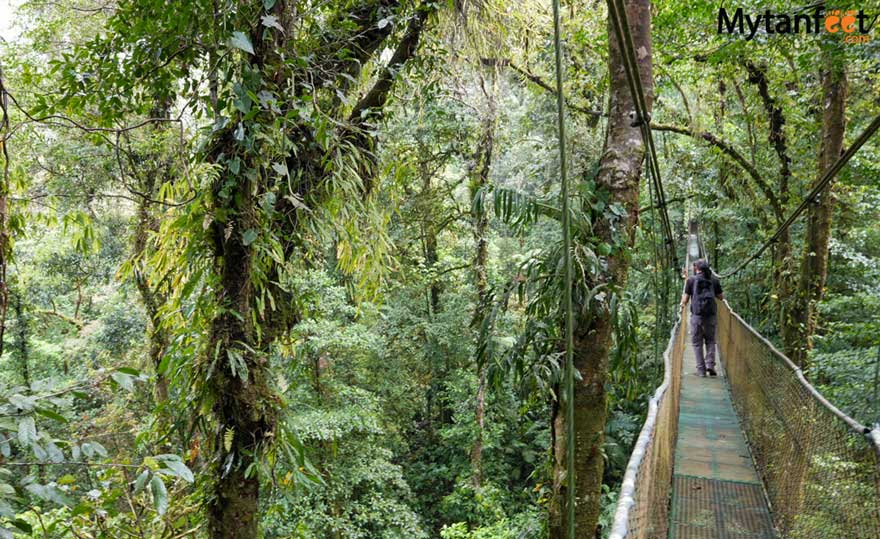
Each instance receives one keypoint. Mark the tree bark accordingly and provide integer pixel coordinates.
(151, 298)
(619, 176)
(798, 334)
(480, 220)
(5, 235)
(21, 341)
(429, 231)
(243, 403)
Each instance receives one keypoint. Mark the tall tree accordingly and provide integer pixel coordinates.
(295, 97)
(798, 331)
(618, 179)
(244, 404)
(479, 182)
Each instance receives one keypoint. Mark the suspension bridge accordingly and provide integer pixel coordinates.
(756, 453)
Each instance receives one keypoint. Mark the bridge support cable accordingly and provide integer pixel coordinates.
(642, 119)
(821, 185)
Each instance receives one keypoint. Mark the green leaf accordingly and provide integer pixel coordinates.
(41, 454)
(48, 493)
(27, 431)
(125, 381)
(91, 449)
(271, 21)
(249, 236)
(51, 415)
(240, 41)
(228, 436)
(281, 169)
(81, 509)
(22, 525)
(55, 453)
(129, 370)
(160, 494)
(177, 468)
(67, 479)
(141, 481)
(22, 402)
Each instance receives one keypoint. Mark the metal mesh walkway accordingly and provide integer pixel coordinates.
(716, 492)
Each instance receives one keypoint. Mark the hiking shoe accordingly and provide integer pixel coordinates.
(711, 372)
(700, 374)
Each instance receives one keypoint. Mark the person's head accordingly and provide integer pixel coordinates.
(701, 266)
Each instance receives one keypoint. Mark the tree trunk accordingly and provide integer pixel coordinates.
(21, 341)
(479, 180)
(619, 175)
(429, 233)
(814, 259)
(150, 297)
(5, 236)
(243, 401)
(555, 508)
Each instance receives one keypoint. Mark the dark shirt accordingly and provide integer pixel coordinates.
(689, 288)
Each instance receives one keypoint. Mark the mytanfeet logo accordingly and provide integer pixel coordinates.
(853, 24)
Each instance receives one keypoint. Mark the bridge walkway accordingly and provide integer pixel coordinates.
(716, 492)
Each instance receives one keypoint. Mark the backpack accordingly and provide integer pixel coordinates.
(704, 296)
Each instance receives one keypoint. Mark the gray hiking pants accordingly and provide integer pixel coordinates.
(703, 331)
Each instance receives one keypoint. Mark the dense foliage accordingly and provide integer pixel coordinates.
(303, 258)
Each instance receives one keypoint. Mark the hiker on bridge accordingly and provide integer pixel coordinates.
(703, 287)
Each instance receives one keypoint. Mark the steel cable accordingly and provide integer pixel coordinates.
(823, 182)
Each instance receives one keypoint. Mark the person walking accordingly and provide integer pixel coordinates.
(701, 291)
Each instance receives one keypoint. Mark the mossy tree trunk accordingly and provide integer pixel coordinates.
(619, 176)
(479, 180)
(813, 274)
(236, 357)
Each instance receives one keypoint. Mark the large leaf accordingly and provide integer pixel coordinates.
(240, 41)
(175, 466)
(141, 481)
(27, 431)
(125, 381)
(160, 494)
(51, 415)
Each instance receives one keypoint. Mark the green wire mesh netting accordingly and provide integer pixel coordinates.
(819, 467)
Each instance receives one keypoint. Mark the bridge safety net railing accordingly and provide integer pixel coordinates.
(643, 506)
(819, 466)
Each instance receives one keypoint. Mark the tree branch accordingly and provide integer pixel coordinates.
(370, 105)
(76, 322)
(776, 137)
(733, 154)
(668, 202)
(531, 77)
